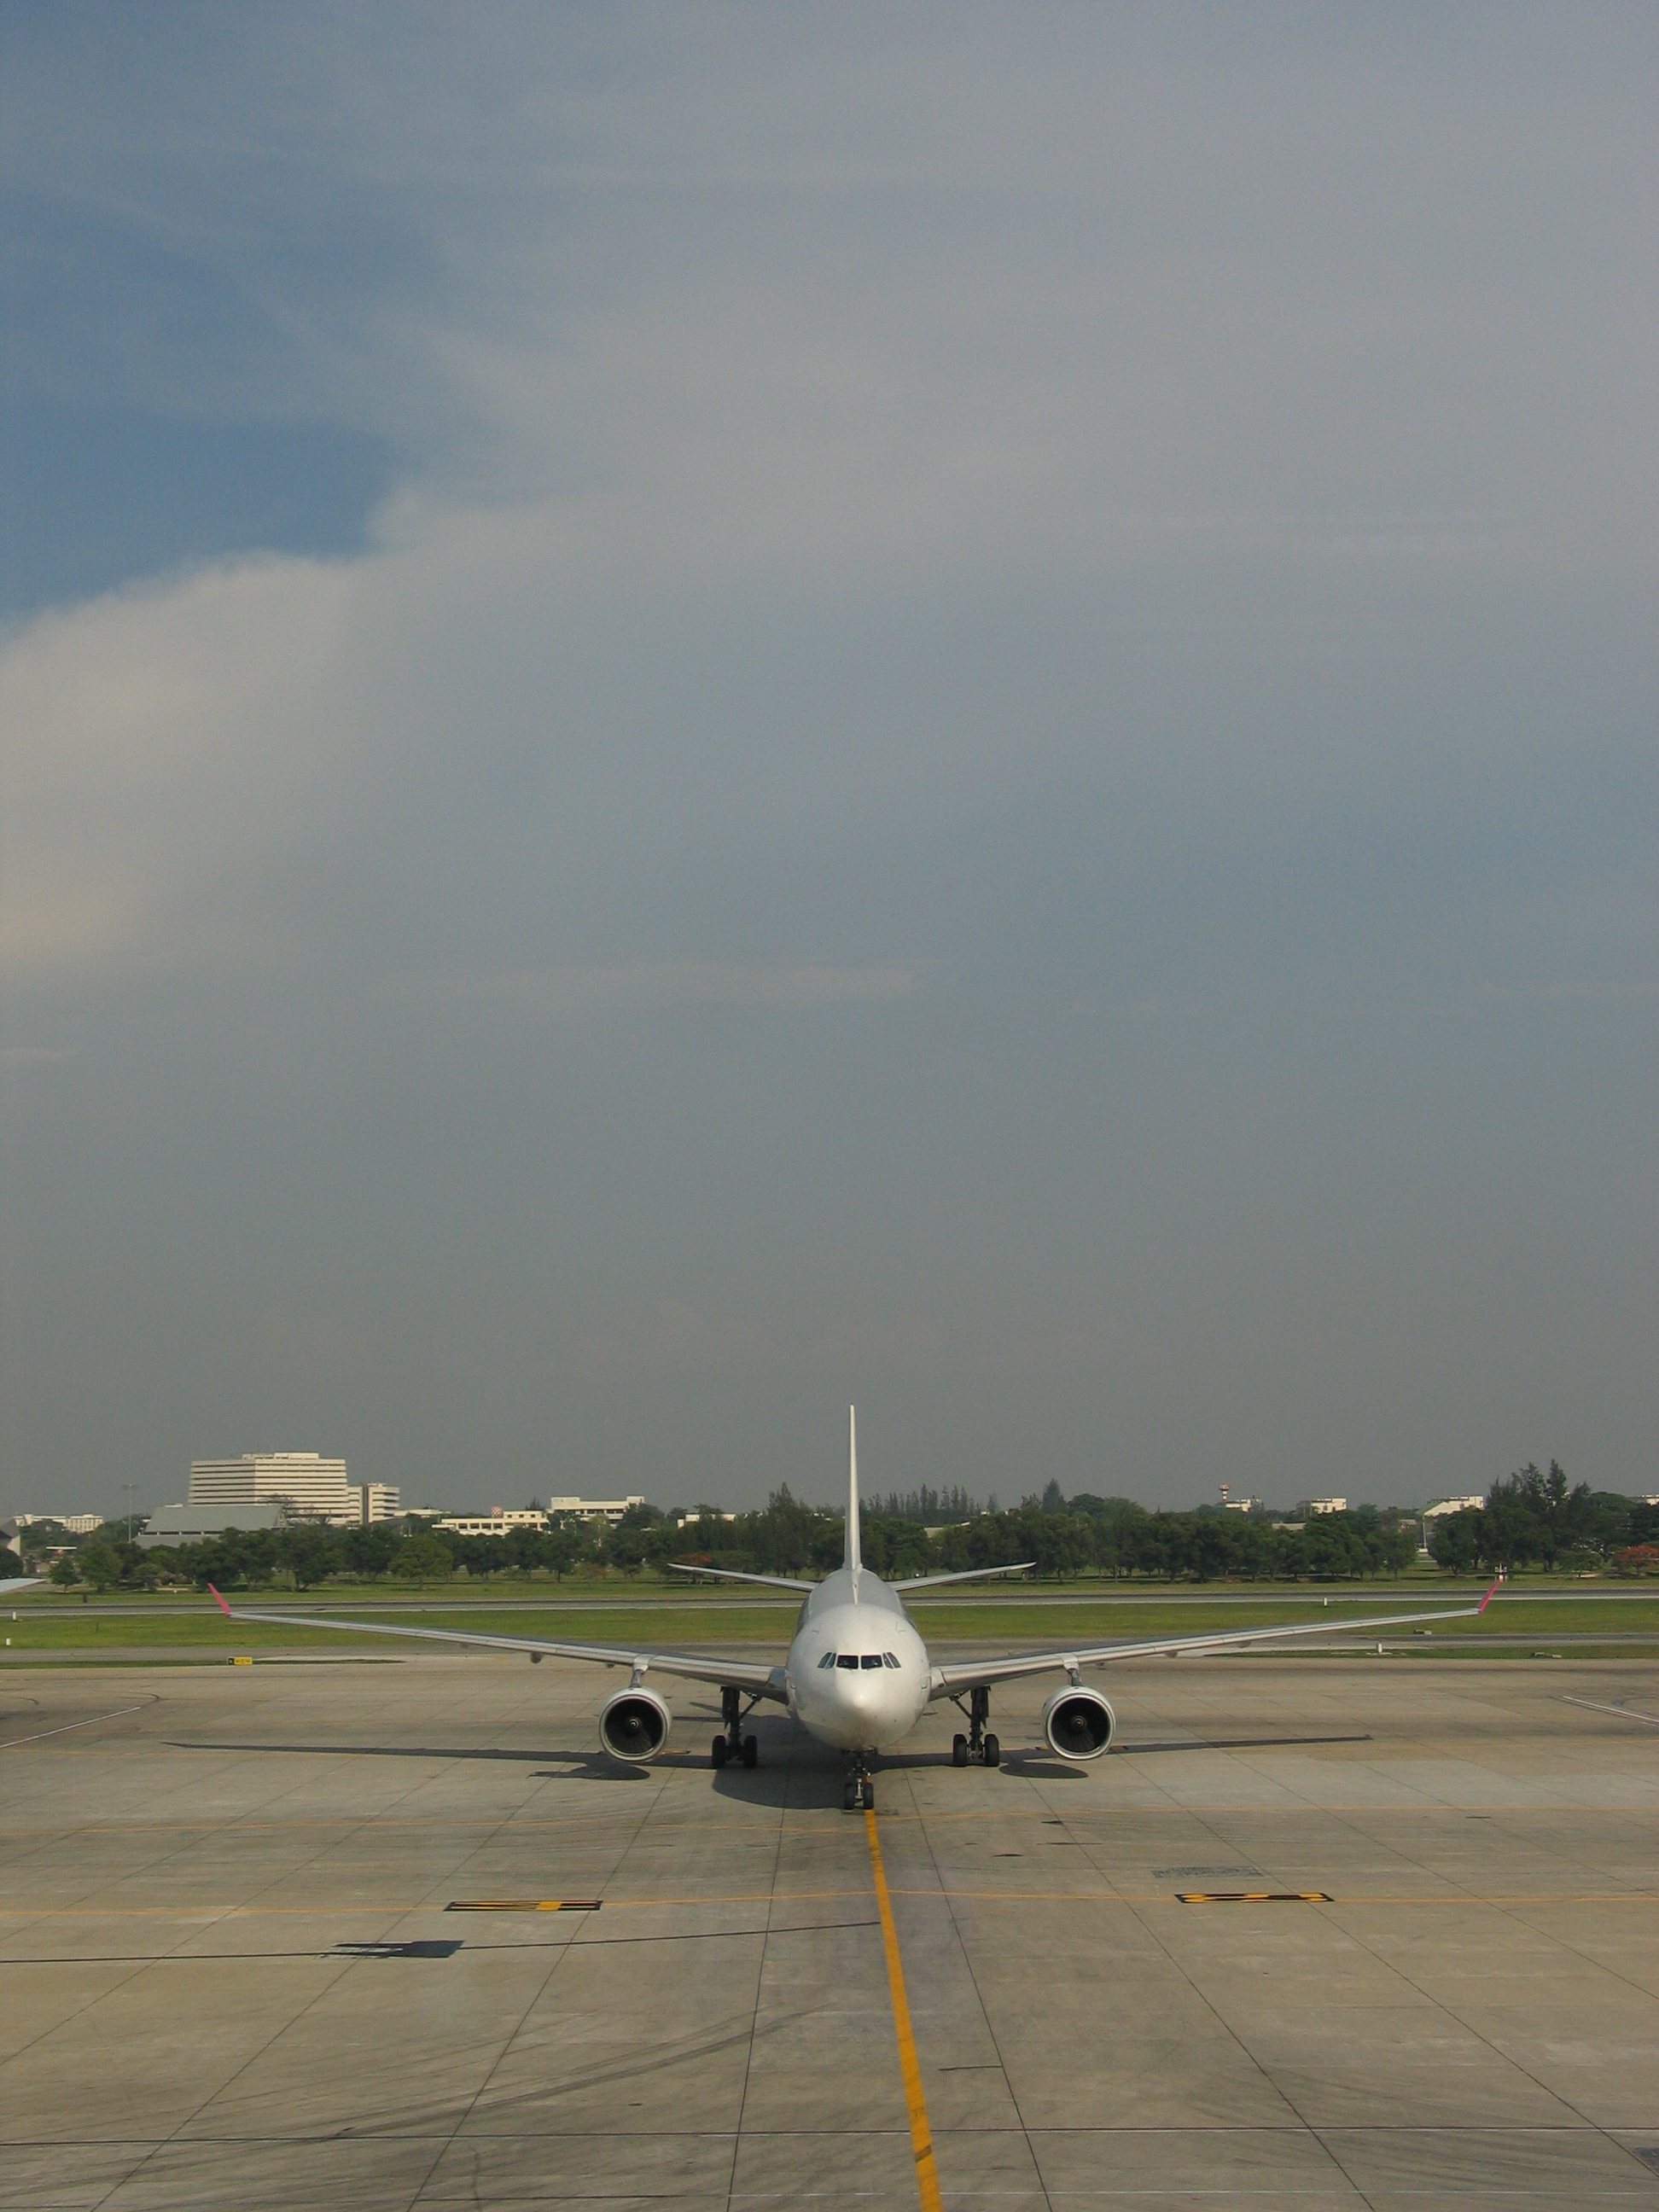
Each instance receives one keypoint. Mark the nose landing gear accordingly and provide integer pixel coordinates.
(734, 1744)
(858, 1793)
(979, 1745)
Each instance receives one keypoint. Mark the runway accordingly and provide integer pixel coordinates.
(230, 1975)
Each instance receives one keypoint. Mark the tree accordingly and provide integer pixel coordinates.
(628, 1547)
(98, 1563)
(1457, 1542)
(307, 1551)
(423, 1559)
(63, 1572)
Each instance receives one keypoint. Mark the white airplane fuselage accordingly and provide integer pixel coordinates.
(858, 1673)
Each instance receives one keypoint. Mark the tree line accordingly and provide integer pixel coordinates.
(1530, 1519)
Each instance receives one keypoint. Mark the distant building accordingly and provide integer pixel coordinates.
(498, 1521)
(1451, 1505)
(594, 1509)
(80, 1524)
(311, 1488)
(376, 1501)
(690, 1520)
(1311, 1505)
(194, 1524)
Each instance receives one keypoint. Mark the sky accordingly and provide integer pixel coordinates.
(705, 714)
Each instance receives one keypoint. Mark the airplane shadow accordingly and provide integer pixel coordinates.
(1228, 1743)
(792, 1766)
(591, 1765)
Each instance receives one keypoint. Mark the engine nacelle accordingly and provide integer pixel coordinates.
(1079, 1723)
(633, 1725)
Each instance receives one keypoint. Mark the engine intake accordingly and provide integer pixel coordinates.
(1079, 1723)
(633, 1725)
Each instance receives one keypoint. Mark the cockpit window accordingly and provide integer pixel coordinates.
(848, 1659)
(828, 1660)
(888, 1660)
(872, 1659)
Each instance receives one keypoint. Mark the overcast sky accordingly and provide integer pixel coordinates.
(707, 714)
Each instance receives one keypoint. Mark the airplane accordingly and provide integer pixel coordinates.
(19, 1583)
(857, 1675)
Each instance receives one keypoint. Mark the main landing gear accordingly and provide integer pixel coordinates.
(858, 1793)
(734, 1744)
(979, 1744)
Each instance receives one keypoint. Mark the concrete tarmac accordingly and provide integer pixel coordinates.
(228, 1975)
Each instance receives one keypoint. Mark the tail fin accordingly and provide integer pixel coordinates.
(852, 1558)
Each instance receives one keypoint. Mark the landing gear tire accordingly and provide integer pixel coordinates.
(981, 1747)
(869, 1795)
(958, 1751)
(751, 1751)
(717, 1751)
(849, 1798)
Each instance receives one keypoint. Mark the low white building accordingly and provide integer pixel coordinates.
(498, 1521)
(1323, 1505)
(1445, 1505)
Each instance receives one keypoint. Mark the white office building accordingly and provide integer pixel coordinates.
(594, 1509)
(1439, 1511)
(311, 1488)
(376, 1501)
(497, 1522)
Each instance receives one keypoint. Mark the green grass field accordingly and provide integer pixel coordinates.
(52, 1626)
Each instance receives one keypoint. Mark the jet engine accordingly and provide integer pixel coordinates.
(633, 1725)
(1079, 1723)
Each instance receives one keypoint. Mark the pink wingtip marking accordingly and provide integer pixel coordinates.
(220, 1602)
(1490, 1595)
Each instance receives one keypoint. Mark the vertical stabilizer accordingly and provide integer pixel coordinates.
(852, 1559)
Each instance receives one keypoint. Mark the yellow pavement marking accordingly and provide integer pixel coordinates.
(1253, 1896)
(524, 1905)
(921, 2135)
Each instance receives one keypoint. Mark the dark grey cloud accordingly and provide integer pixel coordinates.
(988, 747)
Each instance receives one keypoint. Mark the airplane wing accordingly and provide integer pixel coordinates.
(971, 1674)
(751, 1674)
(731, 1575)
(966, 1575)
(19, 1583)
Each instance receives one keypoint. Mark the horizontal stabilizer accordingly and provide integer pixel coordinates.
(731, 1575)
(966, 1575)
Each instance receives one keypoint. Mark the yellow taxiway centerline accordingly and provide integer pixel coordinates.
(921, 2135)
